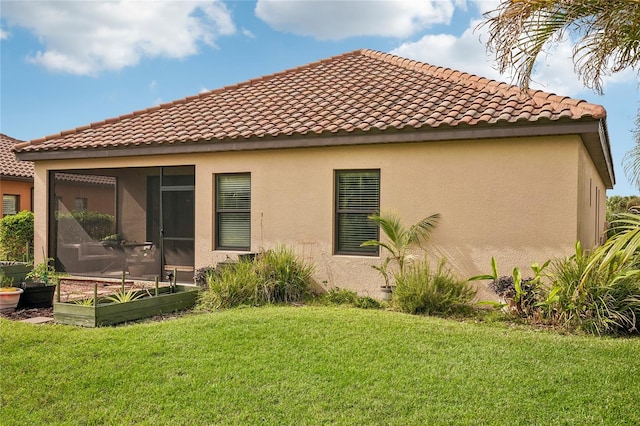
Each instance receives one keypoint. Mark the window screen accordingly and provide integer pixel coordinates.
(357, 197)
(233, 211)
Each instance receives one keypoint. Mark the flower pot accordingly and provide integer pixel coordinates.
(386, 292)
(37, 297)
(9, 298)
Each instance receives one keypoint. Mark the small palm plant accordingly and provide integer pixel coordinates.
(400, 240)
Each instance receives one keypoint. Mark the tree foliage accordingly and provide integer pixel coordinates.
(606, 35)
(16, 236)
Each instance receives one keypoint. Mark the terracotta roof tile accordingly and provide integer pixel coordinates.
(359, 91)
(9, 164)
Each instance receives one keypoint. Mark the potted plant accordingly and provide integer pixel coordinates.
(9, 295)
(40, 286)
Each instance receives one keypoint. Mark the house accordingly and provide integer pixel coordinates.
(16, 179)
(303, 156)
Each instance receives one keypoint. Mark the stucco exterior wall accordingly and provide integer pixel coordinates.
(591, 202)
(17, 187)
(515, 199)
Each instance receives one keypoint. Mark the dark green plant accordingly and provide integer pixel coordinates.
(522, 295)
(45, 273)
(399, 240)
(201, 275)
(419, 290)
(16, 236)
(343, 296)
(79, 226)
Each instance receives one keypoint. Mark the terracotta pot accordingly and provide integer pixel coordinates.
(9, 299)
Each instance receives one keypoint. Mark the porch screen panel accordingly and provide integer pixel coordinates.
(357, 197)
(233, 211)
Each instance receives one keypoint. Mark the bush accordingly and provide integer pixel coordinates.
(594, 300)
(275, 276)
(283, 277)
(16, 235)
(201, 275)
(421, 291)
(342, 296)
(78, 226)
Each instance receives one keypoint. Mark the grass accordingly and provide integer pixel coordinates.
(314, 365)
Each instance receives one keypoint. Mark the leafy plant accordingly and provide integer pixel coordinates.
(96, 226)
(201, 275)
(399, 240)
(85, 302)
(419, 290)
(275, 276)
(343, 296)
(44, 273)
(5, 281)
(122, 296)
(16, 236)
(522, 295)
(599, 300)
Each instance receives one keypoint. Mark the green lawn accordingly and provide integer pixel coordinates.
(314, 365)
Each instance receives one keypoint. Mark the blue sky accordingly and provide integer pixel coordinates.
(65, 64)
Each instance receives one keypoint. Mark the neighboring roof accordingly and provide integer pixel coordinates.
(364, 92)
(10, 166)
(88, 179)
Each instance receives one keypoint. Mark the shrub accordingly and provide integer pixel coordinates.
(599, 301)
(421, 291)
(16, 236)
(78, 226)
(275, 276)
(283, 277)
(231, 286)
(201, 275)
(342, 296)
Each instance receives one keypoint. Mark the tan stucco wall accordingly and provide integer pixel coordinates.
(16, 187)
(591, 202)
(515, 199)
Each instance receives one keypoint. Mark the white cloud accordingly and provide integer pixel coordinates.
(91, 36)
(3, 34)
(153, 86)
(247, 33)
(335, 19)
(554, 71)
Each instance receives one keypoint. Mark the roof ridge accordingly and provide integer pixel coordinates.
(540, 96)
(185, 99)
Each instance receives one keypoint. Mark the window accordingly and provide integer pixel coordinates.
(233, 211)
(81, 204)
(10, 204)
(357, 197)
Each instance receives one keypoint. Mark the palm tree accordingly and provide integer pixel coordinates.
(400, 239)
(607, 34)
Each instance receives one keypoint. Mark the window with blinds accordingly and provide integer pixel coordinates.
(233, 211)
(357, 197)
(10, 204)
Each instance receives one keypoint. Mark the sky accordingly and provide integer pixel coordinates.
(65, 64)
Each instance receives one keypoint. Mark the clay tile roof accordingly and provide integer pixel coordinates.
(355, 92)
(9, 164)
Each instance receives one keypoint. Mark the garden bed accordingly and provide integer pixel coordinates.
(114, 313)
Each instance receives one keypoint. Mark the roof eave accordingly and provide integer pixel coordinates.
(593, 133)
